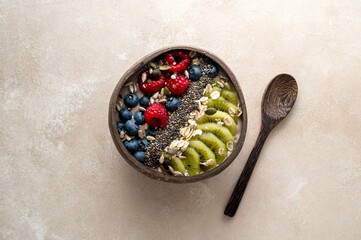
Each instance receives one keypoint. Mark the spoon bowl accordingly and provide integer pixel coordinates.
(278, 99)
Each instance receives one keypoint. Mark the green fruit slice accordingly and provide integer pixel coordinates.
(177, 165)
(192, 161)
(220, 115)
(230, 96)
(221, 132)
(223, 105)
(215, 144)
(215, 80)
(205, 152)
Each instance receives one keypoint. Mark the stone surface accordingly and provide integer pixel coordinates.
(62, 178)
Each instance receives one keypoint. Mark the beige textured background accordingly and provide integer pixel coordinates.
(62, 178)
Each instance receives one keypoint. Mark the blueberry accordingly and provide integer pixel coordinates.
(144, 143)
(172, 104)
(120, 126)
(144, 101)
(140, 156)
(131, 100)
(149, 132)
(132, 145)
(194, 72)
(213, 73)
(139, 118)
(164, 146)
(131, 128)
(125, 115)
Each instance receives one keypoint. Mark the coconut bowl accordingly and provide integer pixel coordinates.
(113, 117)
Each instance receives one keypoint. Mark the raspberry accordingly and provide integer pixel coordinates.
(152, 87)
(177, 86)
(182, 64)
(156, 115)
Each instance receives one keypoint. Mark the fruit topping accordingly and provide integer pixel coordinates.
(139, 118)
(172, 104)
(177, 165)
(144, 101)
(177, 66)
(194, 72)
(140, 156)
(178, 85)
(144, 143)
(192, 161)
(131, 128)
(125, 115)
(131, 100)
(205, 152)
(214, 143)
(220, 116)
(149, 132)
(156, 115)
(120, 126)
(213, 72)
(132, 145)
(221, 132)
(150, 84)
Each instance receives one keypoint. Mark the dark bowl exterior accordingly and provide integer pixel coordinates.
(152, 173)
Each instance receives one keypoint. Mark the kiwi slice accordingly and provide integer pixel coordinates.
(215, 144)
(220, 115)
(230, 96)
(221, 132)
(205, 152)
(177, 165)
(215, 80)
(223, 105)
(192, 161)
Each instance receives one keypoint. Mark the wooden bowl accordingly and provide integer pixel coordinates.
(153, 173)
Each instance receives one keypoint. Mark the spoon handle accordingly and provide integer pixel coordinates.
(243, 180)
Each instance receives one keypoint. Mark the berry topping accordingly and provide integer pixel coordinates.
(132, 145)
(125, 115)
(150, 132)
(177, 60)
(195, 73)
(172, 104)
(131, 100)
(178, 85)
(143, 143)
(140, 156)
(139, 118)
(131, 128)
(120, 126)
(144, 101)
(155, 83)
(156, 115)
(213, 72)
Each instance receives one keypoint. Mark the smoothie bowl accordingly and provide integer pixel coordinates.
(178, 115)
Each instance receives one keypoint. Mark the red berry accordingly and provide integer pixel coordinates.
(156, 115)
(150, 88)
(178, 85)
(182, 64)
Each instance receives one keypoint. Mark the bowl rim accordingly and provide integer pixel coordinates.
(150, 172)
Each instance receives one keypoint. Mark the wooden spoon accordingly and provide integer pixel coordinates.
(278, 100)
